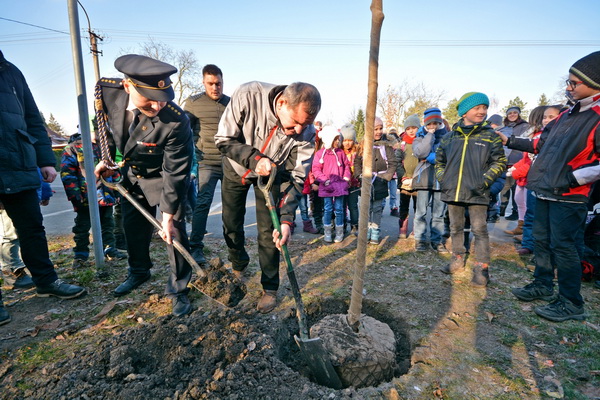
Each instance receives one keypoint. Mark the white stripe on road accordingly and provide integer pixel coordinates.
(57, 213)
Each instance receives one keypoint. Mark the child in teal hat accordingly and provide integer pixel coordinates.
(468, 161)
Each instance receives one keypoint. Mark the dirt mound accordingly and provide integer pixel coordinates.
(219, 355)
(220, 284)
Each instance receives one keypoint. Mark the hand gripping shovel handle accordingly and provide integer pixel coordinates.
(265, 188)
(312, 349)
(177, 244)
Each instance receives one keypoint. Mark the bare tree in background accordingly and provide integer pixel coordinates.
(188, 79)
(398, 102)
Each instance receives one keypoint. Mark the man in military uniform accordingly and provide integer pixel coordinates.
(153, 134)
(265, 126)
(205, 110)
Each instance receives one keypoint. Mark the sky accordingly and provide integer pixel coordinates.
(502, 48)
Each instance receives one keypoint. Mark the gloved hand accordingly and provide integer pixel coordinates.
(431, 158)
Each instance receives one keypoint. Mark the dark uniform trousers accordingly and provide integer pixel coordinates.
(24, 210)
(234, 196)
(138, 233)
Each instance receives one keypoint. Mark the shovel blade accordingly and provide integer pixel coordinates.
(318, 361)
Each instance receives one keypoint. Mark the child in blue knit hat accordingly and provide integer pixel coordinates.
(427, 186)
(468, 161)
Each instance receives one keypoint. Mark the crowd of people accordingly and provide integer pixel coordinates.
(455, 179)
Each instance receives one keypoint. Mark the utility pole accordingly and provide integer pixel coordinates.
(93, 44)
(84, 127)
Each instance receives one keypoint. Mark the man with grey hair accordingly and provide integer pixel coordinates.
(265, 126)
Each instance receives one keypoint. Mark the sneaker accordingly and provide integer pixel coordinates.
(493, 219)
(560, 310)
(60, 289)
(394, 212)
(439, 247)
(354, 230)
(267, 302)
(4, 315)
(534, 291)
(421, 246)
(457, 263)
(512, 217)
(181, 305)
(112, 253)
(78, 263)
(481, 274)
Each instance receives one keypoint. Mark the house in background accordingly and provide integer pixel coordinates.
(58, 141)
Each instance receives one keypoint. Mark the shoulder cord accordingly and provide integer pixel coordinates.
(102, 119)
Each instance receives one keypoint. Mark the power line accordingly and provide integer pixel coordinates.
(35, 26)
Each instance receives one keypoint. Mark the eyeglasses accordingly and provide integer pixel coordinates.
(573, 84)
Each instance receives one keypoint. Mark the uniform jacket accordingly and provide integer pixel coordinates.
(384, 168)
(72, 174)
(249, 130)
(424, 148)
(468, 161)
(158, 154)
(333, 166)
(204, 114)
(568, 160)
(24, 141)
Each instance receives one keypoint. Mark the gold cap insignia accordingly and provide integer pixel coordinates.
(161, 84)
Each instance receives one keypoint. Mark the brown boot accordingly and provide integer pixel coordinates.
(517, 231)
(481, 274)
(267, 302)
(308, 227)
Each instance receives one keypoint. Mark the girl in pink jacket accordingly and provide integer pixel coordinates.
(332, 170)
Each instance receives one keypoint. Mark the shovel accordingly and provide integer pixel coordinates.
(177, 244)
(312, 349)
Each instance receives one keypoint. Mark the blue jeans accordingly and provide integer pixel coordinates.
(393, 188)
(303, 206)
(557, 231)
(527, 240)
(208, 176)
(332, 203)
(425, 200)
(83, 224)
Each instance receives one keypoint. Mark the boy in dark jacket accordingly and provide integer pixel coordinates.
(561, 177)
(72, 174)
(468, 161)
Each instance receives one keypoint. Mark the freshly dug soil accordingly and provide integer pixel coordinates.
(220, 284)
(211, 355)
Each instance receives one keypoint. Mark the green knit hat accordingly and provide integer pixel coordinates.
(470, 100)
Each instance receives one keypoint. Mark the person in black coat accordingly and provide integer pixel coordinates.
(25, 146)
(154, 136)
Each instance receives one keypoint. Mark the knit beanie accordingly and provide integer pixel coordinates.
(588, 70)
(432, 114)
(495, 119)
(470, 100)
(328, 134)
(378, 121)
(413, 120)
(348, 132)
(513, 108)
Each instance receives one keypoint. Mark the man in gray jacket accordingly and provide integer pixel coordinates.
(265, 126)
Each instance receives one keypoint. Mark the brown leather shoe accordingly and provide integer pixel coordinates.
(267, 302)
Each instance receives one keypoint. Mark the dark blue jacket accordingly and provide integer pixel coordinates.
(24, 141)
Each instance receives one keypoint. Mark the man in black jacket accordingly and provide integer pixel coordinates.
(561, 178)
(25, 146)
(153, 134)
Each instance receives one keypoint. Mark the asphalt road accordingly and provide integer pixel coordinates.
(59, 216)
